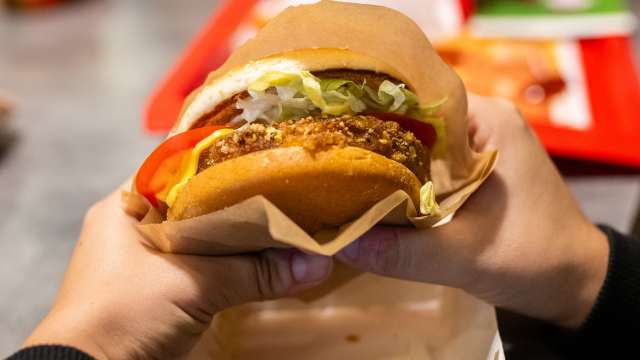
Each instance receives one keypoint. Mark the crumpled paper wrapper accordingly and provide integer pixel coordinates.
(257, 224)
(351, 316)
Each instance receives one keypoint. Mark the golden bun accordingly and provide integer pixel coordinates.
(316, 190)
(336, 35)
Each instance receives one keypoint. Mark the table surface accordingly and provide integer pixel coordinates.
(80, 75)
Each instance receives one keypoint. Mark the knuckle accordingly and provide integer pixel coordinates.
(225, 298)
(218, 293)
(388, 255)
(512, 115)
(269, 279)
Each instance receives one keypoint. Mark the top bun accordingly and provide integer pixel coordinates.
(334, 35)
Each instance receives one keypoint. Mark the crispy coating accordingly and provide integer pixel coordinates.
(386, 138)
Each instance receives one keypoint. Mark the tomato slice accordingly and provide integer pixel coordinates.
(165, 160)
(425, 132)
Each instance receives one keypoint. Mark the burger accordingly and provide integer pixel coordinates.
(331, 108)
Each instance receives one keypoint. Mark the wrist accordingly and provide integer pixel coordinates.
(587, 266)
(557, 280)
(57, 329)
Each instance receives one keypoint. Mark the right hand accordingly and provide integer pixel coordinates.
(520, 242)
(123, 299)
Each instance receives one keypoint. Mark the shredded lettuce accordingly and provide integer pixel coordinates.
(428, 204)
(328, 96)
(279, 95)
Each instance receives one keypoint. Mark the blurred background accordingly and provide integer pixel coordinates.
(86, 92)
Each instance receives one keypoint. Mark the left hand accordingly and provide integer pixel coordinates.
(122, 299)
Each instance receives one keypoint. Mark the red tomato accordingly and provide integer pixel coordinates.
(425, 132)
(165, 160)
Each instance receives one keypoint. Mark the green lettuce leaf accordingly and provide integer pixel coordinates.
(428, 204)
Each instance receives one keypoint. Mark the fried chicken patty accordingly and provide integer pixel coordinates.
(386, 138)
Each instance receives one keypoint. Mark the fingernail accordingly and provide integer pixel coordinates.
(309, 268)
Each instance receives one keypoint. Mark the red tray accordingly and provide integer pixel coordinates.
(612, 82)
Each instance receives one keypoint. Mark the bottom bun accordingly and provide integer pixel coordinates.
(316, 190)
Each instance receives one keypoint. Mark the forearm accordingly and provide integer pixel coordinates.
(557, 281)
(576, 279)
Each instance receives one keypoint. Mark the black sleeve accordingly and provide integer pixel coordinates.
(613, 326)
(50, 352)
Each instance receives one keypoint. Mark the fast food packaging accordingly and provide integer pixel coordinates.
(352, 315)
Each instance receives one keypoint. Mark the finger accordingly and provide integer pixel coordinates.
(410, 254)
(476, 103)
(480, 123)
(233, 280)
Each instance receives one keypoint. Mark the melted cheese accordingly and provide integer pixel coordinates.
(189, 166)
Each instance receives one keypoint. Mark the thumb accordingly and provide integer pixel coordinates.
(235, 280)
(404, 253)
(284, 272)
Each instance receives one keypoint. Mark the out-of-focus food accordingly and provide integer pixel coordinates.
(525, 72)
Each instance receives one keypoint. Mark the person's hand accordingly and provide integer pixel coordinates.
(520, 242)
(122, 299)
